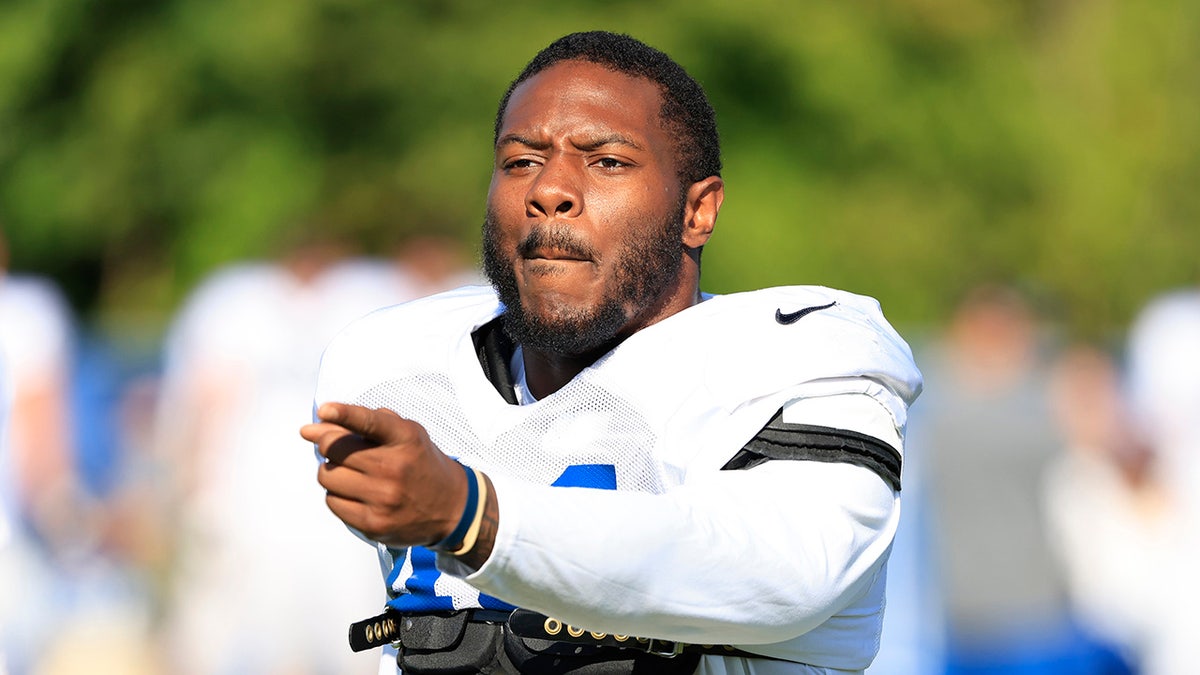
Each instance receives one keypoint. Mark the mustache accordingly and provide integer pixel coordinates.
(558, 238)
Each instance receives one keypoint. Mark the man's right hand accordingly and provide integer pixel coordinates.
(384, 477)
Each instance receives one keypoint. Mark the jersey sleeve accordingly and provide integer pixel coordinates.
(741, 557)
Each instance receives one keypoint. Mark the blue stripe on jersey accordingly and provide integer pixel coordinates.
(602, 476)
(420, 596)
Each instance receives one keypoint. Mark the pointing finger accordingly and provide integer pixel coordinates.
(314, 431)
(328, 436)
(378, 424)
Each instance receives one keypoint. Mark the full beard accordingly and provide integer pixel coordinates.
(646, 266)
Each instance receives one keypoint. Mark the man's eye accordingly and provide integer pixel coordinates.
(610, 163)
(518, 164)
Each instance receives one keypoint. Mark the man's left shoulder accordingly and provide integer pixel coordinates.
(790, 334)
(722, 368)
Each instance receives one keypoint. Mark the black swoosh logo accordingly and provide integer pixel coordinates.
(793, 317)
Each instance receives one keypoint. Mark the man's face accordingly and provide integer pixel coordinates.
(583, 231)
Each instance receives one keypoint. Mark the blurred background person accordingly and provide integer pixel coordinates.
(6, 515)
(987, 434)
(71, 601)
(36, 336)
(264, 578)
(47, 533)
(1111, 523)
(1164, 385)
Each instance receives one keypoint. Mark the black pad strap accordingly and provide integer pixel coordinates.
(783, 440)
(495, 350)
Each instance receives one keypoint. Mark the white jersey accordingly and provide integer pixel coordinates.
(786, 559)
(5, 469)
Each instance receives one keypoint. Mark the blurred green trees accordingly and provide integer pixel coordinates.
(906, 150)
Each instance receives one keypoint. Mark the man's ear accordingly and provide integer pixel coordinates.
(704, 200)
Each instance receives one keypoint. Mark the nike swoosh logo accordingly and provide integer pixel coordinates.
(793, 317)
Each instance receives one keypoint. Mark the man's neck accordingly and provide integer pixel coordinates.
(547, 373)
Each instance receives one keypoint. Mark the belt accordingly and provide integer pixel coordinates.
(531, 625)
(393, 627)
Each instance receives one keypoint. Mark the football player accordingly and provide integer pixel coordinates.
(593, 466)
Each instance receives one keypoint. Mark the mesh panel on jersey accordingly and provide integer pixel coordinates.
(583, 424)
(422, 398)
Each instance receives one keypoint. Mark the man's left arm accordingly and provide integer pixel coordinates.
(755, 556)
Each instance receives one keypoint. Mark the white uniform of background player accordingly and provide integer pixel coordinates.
(786, 559)
(37, 478)
(1164, 363)
(5, 518)
(258, 547)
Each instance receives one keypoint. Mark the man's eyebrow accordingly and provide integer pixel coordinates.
(608, 139)
(585, 144)
(518, 139)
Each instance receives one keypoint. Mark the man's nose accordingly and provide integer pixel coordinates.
(555, 192)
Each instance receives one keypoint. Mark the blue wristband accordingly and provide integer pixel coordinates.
(454, 540)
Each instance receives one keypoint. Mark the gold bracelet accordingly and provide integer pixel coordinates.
(473, 533)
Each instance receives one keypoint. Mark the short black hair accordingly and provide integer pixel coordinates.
(686, 113)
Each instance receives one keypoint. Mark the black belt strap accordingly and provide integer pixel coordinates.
(532, 625)
(394, 627)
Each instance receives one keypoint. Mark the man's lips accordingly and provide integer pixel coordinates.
(557, 255)
(549, 264)
(555, 243)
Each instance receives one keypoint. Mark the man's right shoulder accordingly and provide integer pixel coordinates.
(410, 336)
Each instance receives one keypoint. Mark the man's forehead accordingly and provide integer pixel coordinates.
(583, 71)
(593, 100)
